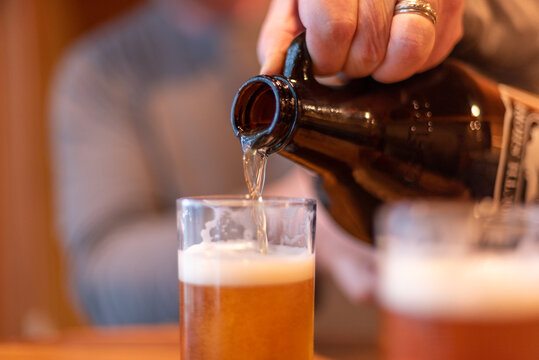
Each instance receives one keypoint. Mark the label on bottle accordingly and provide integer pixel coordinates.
(517, 179)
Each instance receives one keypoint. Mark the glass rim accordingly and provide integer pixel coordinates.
(477, 209)
(243, 200)
(422, 223)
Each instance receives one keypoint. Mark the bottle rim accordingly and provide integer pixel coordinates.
(265, 108)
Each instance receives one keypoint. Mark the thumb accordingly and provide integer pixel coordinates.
(280, 27)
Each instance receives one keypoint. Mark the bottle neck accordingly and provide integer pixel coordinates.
(264, 112)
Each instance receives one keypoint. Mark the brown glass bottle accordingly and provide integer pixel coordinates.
(445, 133)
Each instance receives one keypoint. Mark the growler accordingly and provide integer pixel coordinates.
(445, 133)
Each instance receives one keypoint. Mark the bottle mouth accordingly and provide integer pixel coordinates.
(264, 112)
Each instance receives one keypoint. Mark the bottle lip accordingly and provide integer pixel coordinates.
(273, 132)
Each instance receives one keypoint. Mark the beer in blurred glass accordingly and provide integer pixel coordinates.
(459, 285)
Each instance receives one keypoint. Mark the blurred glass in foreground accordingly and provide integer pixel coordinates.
(459, 281)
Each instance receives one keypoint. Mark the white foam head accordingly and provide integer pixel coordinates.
(484, 285)
(459, 260)
(238, 263)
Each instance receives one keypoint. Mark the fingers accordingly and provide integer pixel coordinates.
(449, 31)
(330, 27)
(411, 42)
(280, 27)
(361, 37)
(414, 43)
(368, 48)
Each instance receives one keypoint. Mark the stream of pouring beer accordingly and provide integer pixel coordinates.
(254, 168)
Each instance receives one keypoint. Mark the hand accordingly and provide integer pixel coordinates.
(360, 37)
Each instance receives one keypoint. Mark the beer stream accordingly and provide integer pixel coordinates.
(254, 168)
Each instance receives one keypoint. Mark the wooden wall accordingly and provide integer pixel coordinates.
(33, 35)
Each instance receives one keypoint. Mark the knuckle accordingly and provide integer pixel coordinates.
(330, 45)
(367, 55)
(338, 30)
(365, 59)
(343, 30)
(370, 46)
(409, 44)
(373, 51)
(412, 46)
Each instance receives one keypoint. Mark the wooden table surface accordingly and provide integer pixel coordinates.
(129, 343)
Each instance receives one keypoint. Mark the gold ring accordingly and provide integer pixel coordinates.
(417, 7)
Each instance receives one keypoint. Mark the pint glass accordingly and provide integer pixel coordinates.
(459, 282)
(238, 301)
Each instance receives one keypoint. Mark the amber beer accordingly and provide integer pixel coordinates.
(461, 311)
(237, 303)
(461, 300)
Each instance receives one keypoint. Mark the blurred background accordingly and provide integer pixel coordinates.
(34, 296)
(33, 36)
